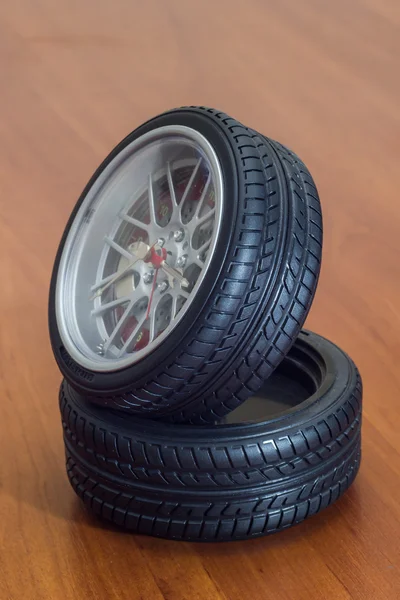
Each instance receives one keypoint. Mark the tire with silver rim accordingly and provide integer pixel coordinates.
(187, 268)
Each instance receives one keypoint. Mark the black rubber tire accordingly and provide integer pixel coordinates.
(228, 481)
(253, 300)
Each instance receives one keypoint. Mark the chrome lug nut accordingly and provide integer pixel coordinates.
(162, 286)
(179, 235)
(100, 348)
(148, 277)
(181, 262)
(160, 242)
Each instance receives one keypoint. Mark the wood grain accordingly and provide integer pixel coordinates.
(323, 78)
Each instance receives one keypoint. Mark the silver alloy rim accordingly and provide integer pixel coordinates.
(139, 248)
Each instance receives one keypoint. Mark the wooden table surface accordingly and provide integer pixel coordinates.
(320, 76)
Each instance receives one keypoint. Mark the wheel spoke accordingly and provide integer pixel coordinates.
(102, 282)
(200, 220)
(189, 184)
(203, 247)
(118, 248)
(152, 206)
(194, 254)
(203, 197)
(152, 327)
(109, 305)
(174, 306)
(133, 221)
(117, 329)
(175, 295)
(131, 338)
(196, 222)
(152, 319)
(171, 187)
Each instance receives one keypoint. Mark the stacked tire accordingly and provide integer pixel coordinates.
(193, 405)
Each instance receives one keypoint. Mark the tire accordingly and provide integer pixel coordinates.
(234, 480)
(254, 297)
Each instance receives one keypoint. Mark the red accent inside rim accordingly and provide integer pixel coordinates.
(157, 257)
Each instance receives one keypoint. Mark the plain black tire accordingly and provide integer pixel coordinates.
(225, 481)
(253, 300)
